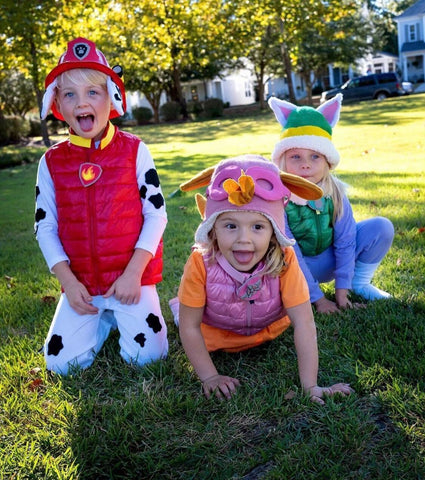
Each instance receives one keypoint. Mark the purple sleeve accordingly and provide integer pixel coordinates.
(345, 247)
(313, 285)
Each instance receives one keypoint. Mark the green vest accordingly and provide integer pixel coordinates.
(311, 225)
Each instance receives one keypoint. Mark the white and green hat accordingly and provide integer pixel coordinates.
(307, 127)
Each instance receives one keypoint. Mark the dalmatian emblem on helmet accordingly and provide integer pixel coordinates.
(81, 50)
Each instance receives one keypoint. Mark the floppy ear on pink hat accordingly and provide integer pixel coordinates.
(247, 183)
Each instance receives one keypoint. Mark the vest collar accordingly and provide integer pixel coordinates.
(88, 142)
(251, 283)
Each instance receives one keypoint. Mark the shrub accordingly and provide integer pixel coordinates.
(195, 108)
(143, 115)
(13, 129)
(170, 111)
(213, 107)
(35, 127)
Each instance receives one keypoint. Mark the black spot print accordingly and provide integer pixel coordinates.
(157, 200)
(154, 323)
(143, 191)
(140, 339)
(55, 345)
(152, 178)
(40, 214)
(37, 191)
(117, 94)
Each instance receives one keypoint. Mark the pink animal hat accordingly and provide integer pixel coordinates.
(306, 127)
(82, 53)
(247, 183)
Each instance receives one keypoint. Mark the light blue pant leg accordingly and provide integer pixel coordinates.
(374, 239)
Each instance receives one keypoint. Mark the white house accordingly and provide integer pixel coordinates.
(380, 62)
(234, 87)
(411, 44)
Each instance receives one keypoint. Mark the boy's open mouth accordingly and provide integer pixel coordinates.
(85, 122)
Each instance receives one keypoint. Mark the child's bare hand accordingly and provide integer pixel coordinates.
(221, 385)
(317, 393)
(323, 305)
(79, 298)
(126, 289)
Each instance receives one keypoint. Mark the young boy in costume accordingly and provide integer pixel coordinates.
(100, 216)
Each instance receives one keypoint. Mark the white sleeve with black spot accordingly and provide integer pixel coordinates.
(154, 212)
(46, 225)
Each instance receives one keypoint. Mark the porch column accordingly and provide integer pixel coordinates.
(405, 73)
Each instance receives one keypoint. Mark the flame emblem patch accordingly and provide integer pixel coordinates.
(89, 173)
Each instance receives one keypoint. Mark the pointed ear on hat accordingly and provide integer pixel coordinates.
(301, 187)
(281, 109)
(201, 203)
(331, 109)
(202, 179)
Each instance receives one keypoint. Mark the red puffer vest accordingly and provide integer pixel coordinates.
(99, 208)
(241, 302)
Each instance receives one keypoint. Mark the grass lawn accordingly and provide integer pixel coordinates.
(115, 421)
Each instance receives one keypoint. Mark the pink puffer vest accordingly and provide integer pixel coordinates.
(243, 303)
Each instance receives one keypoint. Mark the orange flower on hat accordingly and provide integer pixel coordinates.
(240, 192)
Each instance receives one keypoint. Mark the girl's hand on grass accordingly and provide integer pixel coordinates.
(323, 305)
(221, 385)
(318, 393)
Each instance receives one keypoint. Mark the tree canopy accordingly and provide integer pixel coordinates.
(161, 43)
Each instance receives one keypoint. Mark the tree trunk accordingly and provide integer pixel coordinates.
(179, 91)
(39, 93)
(287, 64)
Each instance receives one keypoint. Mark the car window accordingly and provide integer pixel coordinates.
(361, 82)
(366, 81)
(387, 78)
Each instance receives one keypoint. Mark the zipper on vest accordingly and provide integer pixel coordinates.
(91, 190)
(249, 316)
(319, 232)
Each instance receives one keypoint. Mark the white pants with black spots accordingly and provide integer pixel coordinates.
(75, 340)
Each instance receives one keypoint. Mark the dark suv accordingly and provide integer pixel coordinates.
(376, 85)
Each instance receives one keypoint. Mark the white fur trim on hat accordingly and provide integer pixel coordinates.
(201, 234)
(311, 142)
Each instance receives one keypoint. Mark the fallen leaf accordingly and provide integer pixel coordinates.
(48, 299)
(421, 229)
(290, 395)
(36, 384)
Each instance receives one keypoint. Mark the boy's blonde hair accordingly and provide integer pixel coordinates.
(77, 76)
(274, 258)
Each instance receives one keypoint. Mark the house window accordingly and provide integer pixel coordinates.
(248, 92)
(411, 33)
(194, 93)
(391, 67)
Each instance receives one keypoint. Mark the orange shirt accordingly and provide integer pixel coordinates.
(192, 293)
(293, 287)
